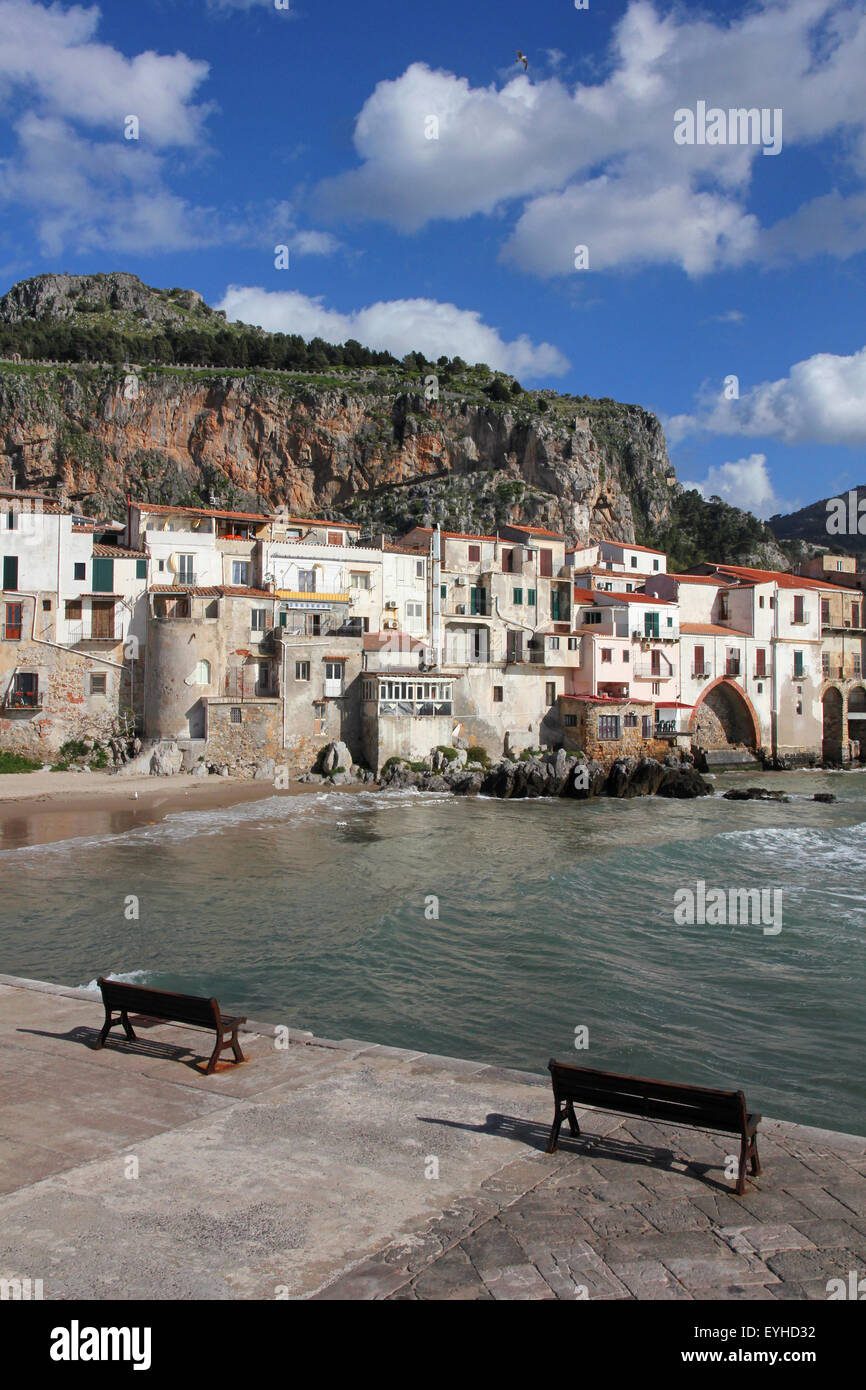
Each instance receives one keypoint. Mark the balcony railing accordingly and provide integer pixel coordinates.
(732, 668)
(89, 632)
(22, 699)
(701, 673)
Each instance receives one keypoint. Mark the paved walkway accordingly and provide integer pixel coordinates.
(311, 1171)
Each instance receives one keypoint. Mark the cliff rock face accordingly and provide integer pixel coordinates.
(372, 451)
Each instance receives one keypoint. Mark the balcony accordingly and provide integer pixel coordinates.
(732, 669)
(77, 632)
(700, 675)
(312, 596)
(760, 675)
(22, 699)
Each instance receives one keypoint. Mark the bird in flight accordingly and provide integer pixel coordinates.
(522, 58)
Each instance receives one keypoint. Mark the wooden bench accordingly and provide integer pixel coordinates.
(697, 1106)
(174, 1008)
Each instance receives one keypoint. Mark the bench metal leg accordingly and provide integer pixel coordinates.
(756, 1162)
(741, 1175)
(127, 1026)
(214, 1057)
(554, 1130)
(572, 1118)
(122, 1018)
(236, 1047)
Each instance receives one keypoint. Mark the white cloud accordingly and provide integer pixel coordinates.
(50, 56)
(821, 401)
(85, 185)
(745, 483)
(398, 326)
(596, 162)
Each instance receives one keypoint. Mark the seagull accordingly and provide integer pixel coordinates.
(522, 58)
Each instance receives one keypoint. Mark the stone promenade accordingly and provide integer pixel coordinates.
(344, 1170)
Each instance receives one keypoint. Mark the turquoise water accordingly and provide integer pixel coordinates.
(552, 916)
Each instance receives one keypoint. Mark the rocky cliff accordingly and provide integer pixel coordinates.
(340, 430)
(371, 448)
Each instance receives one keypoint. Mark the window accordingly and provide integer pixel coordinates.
(608, 726)
(760, 600)
(646, 726)
(634, 562)
(629, 588)
(655, 564)
(530, 597)
(443, 591)
(10, 573)
(497, 694)
(160, 564)
(772, 603)
(258, 619)
(592, 619)
(550, 692)
(334, 671)
(419, 569)
(651, 624)
(825, 664)
(799, 706)
(656, 688)
(414, 616)
(825, 612)
(626, 654)
(236, 715)
(79, 570)
(732, 661)
(838, 564)
(201, 674)
(724, 606)
(98, 683)
(760, 662)
(655, 663)
(11, 520)
(359, 579)
(506, 561)
(12, 626)
(855, 669)
(302, 670)
(553, 643)
(799, 667)
(700, 667)
(855, 615)
(474, 554)
(241, 572)
(46, 605)
(607, 653)
(573, 644)
(799, 609)
(670, 622)
(320, 715)
(141, 569)
(24, 693)
(186, 569)
(630, 721)
(546, 563)
(264, 681)
(335, 538)
(570, 720)
(517, 596)
(102, 574)
(554, 605)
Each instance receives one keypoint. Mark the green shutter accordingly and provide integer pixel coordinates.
(103, 575)
(530, 597)
(518, 596)
(141, 569)
(554, 604)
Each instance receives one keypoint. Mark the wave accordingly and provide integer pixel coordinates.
(185, 825)
(129, 977)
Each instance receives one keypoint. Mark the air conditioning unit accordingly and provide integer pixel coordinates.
(391, 603)
(390, 622)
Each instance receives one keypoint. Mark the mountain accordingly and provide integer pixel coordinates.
(832, 523)
(109, 396)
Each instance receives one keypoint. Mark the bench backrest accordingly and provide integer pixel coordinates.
(660, 1100)
(160, 1003)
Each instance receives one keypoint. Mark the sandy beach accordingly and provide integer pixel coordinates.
(42, 807)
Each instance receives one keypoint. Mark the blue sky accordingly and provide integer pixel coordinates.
(315, 127)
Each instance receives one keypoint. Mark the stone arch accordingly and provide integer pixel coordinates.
(832, 705)
(724, 715)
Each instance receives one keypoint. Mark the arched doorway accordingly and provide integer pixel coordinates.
(857, 718)
(831, 746)
(724, 717)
